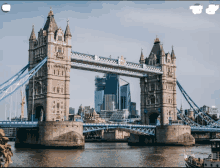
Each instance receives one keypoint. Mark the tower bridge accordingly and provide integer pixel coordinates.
(50, 60)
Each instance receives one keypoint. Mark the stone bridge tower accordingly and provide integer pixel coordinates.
(51, 82)
(158, 92)
(158, 98)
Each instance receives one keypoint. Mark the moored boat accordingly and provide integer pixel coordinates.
(212, 161)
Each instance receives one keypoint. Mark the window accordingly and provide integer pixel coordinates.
(59, 49)
(57, 111)
(153, 100)
(158, 61)
(211, 165)
(62, 73)
(58, 105)
(58, 72)
(54, 72)
(54, 90)
(58, 90)
(54, 107)
(61, 107)
(59, 38)
(152, 87)
(61, 90)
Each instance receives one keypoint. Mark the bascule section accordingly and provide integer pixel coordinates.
(49, 88)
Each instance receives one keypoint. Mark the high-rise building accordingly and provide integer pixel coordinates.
(125, 95)
(112, 93)
(133, 109)
(110, 102)
(72, 111)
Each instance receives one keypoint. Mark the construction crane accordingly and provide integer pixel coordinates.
(22, 105)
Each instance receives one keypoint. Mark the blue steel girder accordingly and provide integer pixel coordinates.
(201, 114)
(19, 82)
(204, 129)
(138, 129)
(17, 124)
(109, 65)
(5, 85)
(186, 119)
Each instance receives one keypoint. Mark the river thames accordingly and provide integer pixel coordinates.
(107, 155)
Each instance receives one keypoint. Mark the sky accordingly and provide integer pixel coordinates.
(119, 28)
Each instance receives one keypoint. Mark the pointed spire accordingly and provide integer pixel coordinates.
(172, 53)
(67, 31)
(162, 53)
(50, 22)
(32, 37)
(50, 28)
(50, 13)
(156, 40)
(141, 57)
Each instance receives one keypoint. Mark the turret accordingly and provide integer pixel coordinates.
(50, 32)
(181, 110)
(191, 113)
(32, 38)
(32, 41)
(67, 34)
(162, 55)
(173, 56)
(142, 61)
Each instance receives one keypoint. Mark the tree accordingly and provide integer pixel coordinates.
(5, 150)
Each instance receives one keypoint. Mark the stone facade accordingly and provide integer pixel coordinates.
(52, 134)
(51, 82)
(158, 92)
(174, 135)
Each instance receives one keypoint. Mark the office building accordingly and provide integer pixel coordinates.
(112, 93)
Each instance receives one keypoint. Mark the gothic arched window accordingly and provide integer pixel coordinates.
(58, 89)
(59, 38)
(59, 49)
(152, 87)
(152, 100)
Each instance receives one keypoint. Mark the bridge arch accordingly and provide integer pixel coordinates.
(152, 117)
(39, 112)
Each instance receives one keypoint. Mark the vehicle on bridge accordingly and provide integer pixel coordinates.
(213, 159)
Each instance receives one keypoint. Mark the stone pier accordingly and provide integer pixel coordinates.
(52, 134)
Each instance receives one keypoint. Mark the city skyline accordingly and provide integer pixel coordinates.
(121, 28)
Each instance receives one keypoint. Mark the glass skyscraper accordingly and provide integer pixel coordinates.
(112, 93)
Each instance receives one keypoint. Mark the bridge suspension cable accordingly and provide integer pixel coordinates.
(16, 84)
(199, 112)
(186, 119)
(5, 85)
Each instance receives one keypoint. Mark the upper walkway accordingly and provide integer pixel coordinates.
(109, 65)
